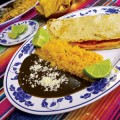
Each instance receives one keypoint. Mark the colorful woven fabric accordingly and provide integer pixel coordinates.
(107, 108)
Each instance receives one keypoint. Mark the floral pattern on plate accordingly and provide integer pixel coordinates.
(21, 96)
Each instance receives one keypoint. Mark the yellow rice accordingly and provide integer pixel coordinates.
(68, 58)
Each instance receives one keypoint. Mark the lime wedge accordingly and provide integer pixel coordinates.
(40, 38)
(13, 35)
(19, 29)
(99, 70)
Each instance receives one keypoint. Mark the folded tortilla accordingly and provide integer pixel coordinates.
(89, 32)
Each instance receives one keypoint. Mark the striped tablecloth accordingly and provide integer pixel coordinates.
(107, 108)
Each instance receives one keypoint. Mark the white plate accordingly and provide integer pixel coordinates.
(32, 28)
(16, 18)
(49, 106)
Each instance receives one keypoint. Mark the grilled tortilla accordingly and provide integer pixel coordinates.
(89, 32)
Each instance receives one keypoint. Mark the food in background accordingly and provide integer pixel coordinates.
(48, 8)
(15, 8)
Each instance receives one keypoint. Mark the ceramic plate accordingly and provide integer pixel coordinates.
(32, 28)
(15, 18)
(49, 106)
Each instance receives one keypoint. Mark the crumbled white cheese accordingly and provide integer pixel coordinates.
(32, 75)
(40, 60)
(32, 86)
(35, 62)
(36, 67)
(47, 82)
(51, 81)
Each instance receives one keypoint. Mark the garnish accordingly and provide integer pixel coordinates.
(17, 30)
(99, 70)
(40, 38)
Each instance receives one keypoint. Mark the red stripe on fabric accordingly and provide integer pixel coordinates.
(100, 106)
(4, 106)
(118, 116)
(107, 106)
(3, 117)
(97, 108)
(29, 15)
(116, 111)
(5, 58)
(1, 92)
(111, 108)
(118, 2)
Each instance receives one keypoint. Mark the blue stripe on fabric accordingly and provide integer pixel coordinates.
(113, 1)
(19, 115)
(1, 82)
(2, 96)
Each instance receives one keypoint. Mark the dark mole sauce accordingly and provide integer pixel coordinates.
(74, 84)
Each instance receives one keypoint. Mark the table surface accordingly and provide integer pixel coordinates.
(107, 107)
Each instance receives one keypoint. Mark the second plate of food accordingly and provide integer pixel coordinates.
(14, 10)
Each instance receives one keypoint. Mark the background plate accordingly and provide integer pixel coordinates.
(16, 18)
(48, 106)
(32, 28)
